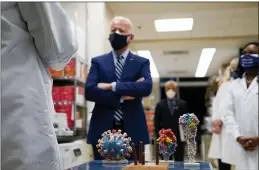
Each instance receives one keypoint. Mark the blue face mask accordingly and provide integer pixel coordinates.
(249, 61)
(234, 74)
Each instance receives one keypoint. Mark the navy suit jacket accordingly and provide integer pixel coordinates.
(103, 71)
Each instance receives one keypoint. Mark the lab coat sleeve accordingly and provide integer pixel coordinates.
(95, 94)
(215, 105)
(227, 110)
(137, 89)
(51, 30)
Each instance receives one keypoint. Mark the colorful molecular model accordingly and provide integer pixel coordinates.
(189, 124)
(114, 145)
(167, 143)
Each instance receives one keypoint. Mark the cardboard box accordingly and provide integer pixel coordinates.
(67, 90)
(55, 73)
(67, 97)
(69, 69)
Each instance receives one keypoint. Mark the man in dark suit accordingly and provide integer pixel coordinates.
(167, 115)
(117, 81)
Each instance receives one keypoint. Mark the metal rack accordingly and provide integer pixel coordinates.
(73, 81)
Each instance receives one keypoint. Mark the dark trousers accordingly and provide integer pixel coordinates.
(116, 126)
(223, 166)
(179, 153)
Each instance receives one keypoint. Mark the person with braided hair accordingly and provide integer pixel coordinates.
(240, 109)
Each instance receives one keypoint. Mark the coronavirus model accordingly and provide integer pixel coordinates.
(114, 145)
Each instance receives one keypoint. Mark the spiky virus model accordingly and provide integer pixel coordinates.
(114, 145)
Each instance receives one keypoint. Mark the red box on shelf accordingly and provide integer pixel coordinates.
(55, 90)
(67, 109)
(80, 90)
(67, 97)
(67, 90)
(56, 107)
(69, 69)
(56, 97)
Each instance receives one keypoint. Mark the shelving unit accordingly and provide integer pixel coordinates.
(68, 96)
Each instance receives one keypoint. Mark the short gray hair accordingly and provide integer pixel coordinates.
(127, 20)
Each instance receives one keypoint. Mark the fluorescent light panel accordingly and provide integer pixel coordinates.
(204, 62)
(153, 69)
(180, 24)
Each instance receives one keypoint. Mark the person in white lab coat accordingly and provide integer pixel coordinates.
(35, 36)
(240, 110)
(221, 143)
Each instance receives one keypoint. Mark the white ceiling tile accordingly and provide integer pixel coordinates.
(243, 27)
(245, 12)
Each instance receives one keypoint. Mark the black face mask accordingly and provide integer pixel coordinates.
(118, 41)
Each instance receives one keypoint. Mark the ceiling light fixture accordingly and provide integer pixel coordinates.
(167, 25)
(153, 69)
(204, 61)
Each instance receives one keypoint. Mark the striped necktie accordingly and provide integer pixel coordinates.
(118, 70)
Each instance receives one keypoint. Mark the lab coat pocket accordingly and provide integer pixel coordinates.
(44, 122)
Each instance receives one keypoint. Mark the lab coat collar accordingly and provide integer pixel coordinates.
(252, 85)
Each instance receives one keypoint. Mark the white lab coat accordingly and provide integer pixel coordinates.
(215, 145)
(222, 145)
(241, 119)
(35, 36)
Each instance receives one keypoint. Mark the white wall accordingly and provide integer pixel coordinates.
(99, 19)
(77, 13)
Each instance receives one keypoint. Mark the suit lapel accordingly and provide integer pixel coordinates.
(110, 64)
(127, 65)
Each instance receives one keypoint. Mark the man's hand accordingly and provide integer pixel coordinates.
(128, 98)
(216, 129)
(105, 86)
(254, 142)
(216, 126)
(141, 79)
(246, 143)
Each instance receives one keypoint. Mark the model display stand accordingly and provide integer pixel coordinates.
(147, 166)
(141, 164)
(189, 123)
(114, 147)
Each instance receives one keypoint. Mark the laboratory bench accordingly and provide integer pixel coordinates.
(98, 165)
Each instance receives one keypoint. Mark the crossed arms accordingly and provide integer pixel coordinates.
(105, 94)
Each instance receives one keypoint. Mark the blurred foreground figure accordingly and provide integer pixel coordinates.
(221, 146)
(35, 36)
(167, 115)
(240, 110)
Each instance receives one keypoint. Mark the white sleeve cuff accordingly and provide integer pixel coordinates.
(114, 86)
(236, 134)
(121, 100)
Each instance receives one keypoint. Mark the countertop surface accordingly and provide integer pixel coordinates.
(98, 165)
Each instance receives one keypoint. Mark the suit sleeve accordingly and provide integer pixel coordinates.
(227, 110)
(157, 119)
(137, 89)
(95, 94)
(51, 30)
